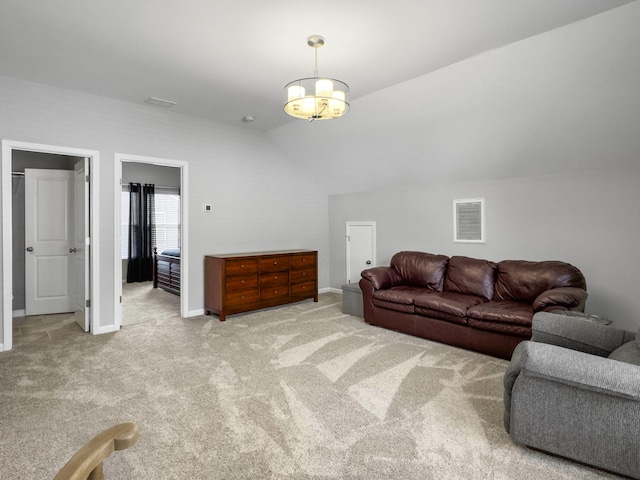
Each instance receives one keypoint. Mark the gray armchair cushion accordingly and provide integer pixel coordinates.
(627, 353)
(577, 333)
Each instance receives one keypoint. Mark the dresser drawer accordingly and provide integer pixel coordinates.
(303, 274)
(302, 261)
(274, 278)
(271, 293)
(241, 266)
(242, 297)
(273, 264)
(303, 288)
(241, 282)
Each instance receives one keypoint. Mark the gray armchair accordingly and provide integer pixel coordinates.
(574, 391)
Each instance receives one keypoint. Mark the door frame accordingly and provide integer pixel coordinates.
(121, 158)
(8, 146)
(374, 260)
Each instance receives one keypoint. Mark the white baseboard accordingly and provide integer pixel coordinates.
(18, 313)
(195, 313)
(330, 290)
(1, 347)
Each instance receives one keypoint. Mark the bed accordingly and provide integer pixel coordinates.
(166, 270)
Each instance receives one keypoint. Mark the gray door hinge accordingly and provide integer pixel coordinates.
(87, 303)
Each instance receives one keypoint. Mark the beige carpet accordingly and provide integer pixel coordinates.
(296, 392)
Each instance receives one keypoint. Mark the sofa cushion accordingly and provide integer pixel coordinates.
(448, 306)
(419, 269)
(627, 353)
(523, 281)
(501, 313)
(397, 298)
(470, 276)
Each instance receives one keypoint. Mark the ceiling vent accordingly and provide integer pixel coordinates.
(159, 102)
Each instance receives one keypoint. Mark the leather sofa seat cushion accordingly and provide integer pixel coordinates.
(448, 306)
(502, 316)
(419, 269)
(470, 276)
(397, 298)
(503, 311)
(523, 281)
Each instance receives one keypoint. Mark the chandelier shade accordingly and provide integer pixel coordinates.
(316, 98)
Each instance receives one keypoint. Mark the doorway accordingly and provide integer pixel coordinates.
(11, 151)
(361, 248)
(184, 226)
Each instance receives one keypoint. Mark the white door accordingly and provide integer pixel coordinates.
(48, 239)
(361, 248)
(81, 245)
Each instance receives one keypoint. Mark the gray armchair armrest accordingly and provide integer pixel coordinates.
(382, 277)
(575, 369)
(577, 334)
(575, 405)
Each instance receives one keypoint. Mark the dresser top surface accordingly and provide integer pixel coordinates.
(260, 254)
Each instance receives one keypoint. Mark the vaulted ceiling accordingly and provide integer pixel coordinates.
(224, 60)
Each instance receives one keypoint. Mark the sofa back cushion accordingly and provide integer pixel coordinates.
(523, 281)
(419, 269)
(470, 276)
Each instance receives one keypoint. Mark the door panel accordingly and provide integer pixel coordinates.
(81, 246)
(48, 237)
(360, 249)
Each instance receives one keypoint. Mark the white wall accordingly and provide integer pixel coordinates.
(260, 201)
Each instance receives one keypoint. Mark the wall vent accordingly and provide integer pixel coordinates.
(468, 220)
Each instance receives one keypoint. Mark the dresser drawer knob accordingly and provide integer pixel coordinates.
(275, 263)
(242, 281)
(304, 274)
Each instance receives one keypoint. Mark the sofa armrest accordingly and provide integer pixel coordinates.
(577, 333)
(578, 370)
(570, 298)
(382, 277)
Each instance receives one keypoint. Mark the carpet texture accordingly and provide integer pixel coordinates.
(296, 392)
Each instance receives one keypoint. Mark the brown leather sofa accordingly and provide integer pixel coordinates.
(470, 303)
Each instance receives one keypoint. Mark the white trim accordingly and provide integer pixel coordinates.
(18, 313)
(120, 158)
(330, 290)
(482, 239)
(374, 260)
(7, 227)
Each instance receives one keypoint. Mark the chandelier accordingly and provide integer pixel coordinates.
(316, 98)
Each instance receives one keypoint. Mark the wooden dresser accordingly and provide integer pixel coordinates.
(235, 283)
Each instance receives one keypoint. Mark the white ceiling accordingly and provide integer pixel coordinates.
(223, 60)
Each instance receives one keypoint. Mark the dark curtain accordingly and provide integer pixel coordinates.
(142, 232)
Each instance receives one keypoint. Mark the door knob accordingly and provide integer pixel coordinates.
(73, 250)
(29, 249)
(368, 262)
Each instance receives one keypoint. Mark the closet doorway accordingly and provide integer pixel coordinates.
(38, 171)
(169, 178)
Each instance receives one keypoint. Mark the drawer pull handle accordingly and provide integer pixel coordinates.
(275, 291)
(304, 259)
(242, 281)
(241, 297)
(275, 263)
(304, 274)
